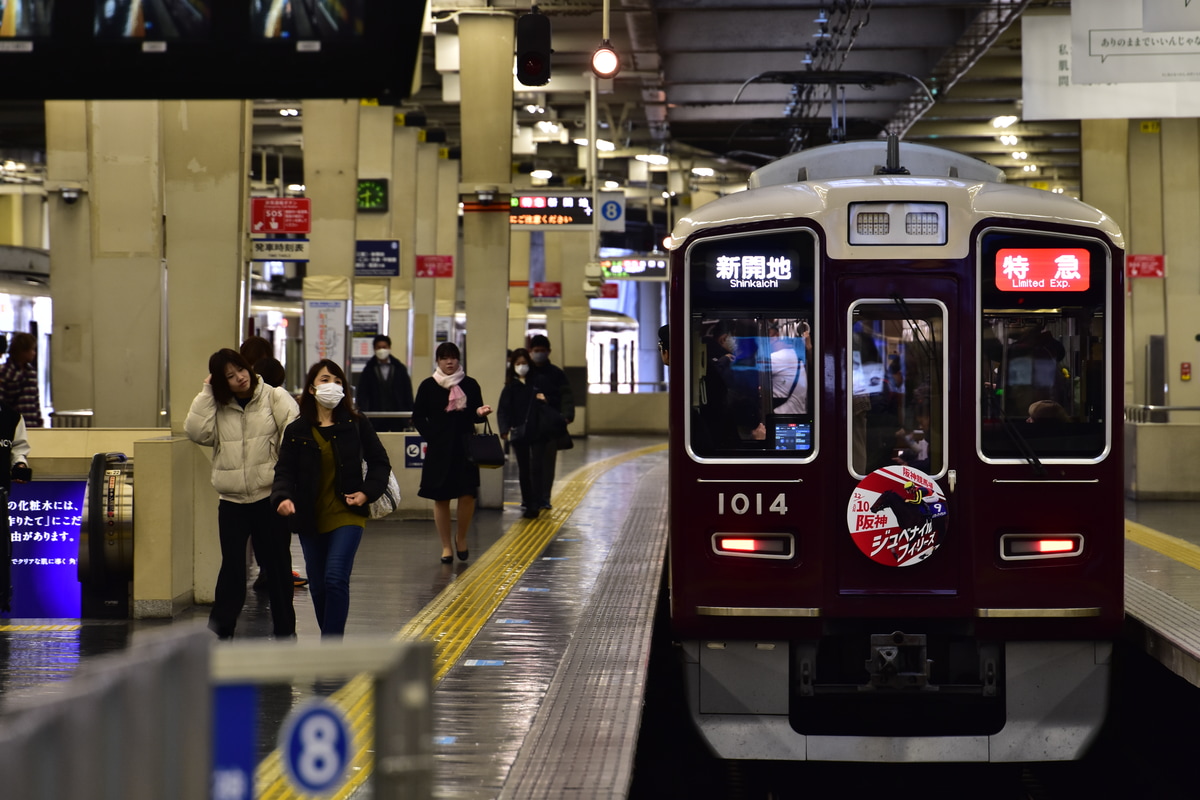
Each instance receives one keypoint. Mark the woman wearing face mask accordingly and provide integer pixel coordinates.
(447, 406)
(321, 490)
(242, 419)
(516, 424)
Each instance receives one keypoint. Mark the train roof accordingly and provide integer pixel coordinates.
(824, 178)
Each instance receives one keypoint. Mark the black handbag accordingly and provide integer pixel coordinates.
(484, 449)
(552, 427)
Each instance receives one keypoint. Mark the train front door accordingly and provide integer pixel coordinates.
(900, 437)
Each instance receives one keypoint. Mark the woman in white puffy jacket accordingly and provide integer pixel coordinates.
(242, 419)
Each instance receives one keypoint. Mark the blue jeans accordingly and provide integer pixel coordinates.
(329, 559)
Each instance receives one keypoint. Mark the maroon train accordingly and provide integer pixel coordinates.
(896, 461)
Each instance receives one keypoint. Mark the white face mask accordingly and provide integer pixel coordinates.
(330, 394)
(522, 369)
(383, 353)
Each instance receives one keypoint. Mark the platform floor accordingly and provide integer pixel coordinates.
(573, 590)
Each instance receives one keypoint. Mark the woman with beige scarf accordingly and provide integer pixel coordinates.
(445, 411)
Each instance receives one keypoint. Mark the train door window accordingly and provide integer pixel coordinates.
(1043, 347)
(752, 319)
(896, 385)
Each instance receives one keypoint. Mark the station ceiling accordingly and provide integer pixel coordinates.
(733, 84)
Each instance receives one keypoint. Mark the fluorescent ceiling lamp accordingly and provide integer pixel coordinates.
(655, 159)
(601, 144)
(1004, 121)
(703, 172)
(610, 185)
(541, 174)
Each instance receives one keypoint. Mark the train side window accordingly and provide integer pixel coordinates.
(750, 346)
(1043, 375)
(897, 373)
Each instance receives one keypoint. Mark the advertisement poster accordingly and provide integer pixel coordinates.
(897, 516)
(1051, 92)
(44, 519)
(324, 331)
(1110, 45)
(366, 321)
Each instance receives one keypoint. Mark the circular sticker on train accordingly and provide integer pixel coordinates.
(897, 516)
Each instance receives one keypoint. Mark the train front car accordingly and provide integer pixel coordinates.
(896, 500)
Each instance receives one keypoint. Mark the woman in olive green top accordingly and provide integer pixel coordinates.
(320, 487)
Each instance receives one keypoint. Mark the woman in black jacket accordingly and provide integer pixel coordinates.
(518, 422)
(447, 406)
(320, 487)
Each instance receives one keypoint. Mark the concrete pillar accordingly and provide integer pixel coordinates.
(1103, 143)
(486, 43)
(375, 154)
(331, 181)
(408, 199)
(518, 288)
(428, 227)
(1145, 301)
(206, 149)
(1181, 239)
(107, 268)
(567, 253)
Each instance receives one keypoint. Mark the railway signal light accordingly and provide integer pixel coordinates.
(533, 49)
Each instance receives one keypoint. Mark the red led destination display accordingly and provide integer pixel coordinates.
(551, 211)
(1037, 269)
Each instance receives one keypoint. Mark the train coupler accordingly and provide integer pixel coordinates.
(898, 661)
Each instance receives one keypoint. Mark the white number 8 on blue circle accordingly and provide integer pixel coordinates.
(315, 743)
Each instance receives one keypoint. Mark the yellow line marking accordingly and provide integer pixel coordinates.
(35, 628)
(1170, 546)
(452, 620)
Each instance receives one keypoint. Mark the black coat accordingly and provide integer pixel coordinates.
(376, 394)
(513, 408)
(445, 433)
(298, 470)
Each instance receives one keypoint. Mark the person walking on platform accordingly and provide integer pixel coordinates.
(331, 467)
(517, 423)
(552, 382)
(385, 386)
(242, 419)
(447, 406)
(19, 380)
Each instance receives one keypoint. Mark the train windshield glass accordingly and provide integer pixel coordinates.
(751, 343)
(896, 380)
(1043, 347)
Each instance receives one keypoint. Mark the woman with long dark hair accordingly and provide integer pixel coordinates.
(242, 419)
(517, 422)
(447, 406)
(321, 488)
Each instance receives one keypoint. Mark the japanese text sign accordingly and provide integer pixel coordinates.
(1035, 269)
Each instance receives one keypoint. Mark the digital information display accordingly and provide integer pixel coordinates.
(44, 519)
(793, 436)
(551, 211)
(635, 268)
(1050, 269)
(741, 268)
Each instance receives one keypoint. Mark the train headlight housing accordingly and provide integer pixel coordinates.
(897, 223)
(754, 545)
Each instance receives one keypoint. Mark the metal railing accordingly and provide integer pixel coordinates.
(1149, 413)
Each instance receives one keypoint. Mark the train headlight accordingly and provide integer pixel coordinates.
(897, 223)
(754, 545)
(1026, 546)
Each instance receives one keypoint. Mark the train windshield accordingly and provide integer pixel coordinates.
(896, 380)
(751, 339)
(1043, 347)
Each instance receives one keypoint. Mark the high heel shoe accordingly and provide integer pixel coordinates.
(463, 555)
(447, 559)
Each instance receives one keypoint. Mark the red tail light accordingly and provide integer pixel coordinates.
(757, 545)
(1025, 546)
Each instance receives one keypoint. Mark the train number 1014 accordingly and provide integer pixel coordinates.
(742, 503)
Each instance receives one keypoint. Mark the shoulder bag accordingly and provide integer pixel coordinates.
(387, 502)
(484, 449)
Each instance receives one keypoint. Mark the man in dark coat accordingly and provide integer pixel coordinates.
(552, 382)
(385, 386)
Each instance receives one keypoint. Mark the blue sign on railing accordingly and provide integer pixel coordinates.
(44, 519)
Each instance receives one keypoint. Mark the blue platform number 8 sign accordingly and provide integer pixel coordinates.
(315, 741)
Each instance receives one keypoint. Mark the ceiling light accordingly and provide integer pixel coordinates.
(1020, 155)
(289, 112)
(605, 61)
(601, 144)
(541, 174)
(655, 159)
(703, 172)
(1003, 121)
(610, 185)
(1008, 139)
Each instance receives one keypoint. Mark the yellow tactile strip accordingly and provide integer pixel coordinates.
(452, 620)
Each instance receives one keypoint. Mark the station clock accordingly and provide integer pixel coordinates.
(373, 194)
